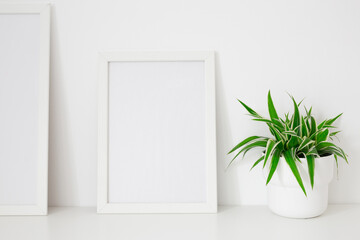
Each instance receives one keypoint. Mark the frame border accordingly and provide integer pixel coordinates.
(43, 9)
(103, 206)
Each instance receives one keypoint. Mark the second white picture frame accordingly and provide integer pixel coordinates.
(156, 132)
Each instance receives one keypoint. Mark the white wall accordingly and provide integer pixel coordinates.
(308, 48)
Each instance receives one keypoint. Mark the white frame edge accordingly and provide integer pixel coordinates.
(103, 206)
(43, 9)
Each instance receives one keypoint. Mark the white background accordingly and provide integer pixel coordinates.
(309, 48)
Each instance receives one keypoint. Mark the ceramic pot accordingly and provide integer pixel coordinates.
(286, 198)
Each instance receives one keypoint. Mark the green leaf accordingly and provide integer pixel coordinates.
(344, 154)
(312, 125)
(272, 110)
(304, 128)
(252, 112)
(287, 118)
(274, 162)
(334, 133)
(296, 116)
(270, 147)
(263, 120)
(274, 122)
(289, 156)
(330, 148)
(291, 133)
(331, 121)
(313, 151)
(257, 162)
(277, 134)
(321, 145)
(301, 102)
(330, 151)
(308, 113)
(294, 142)
(274, 134)
(306, 142)
(258, 143)
(245, 141)
(279, 122)
(322, 135)
(308, 126)
(313, 136)
(311, 167)
(321, 125)
(328, 126)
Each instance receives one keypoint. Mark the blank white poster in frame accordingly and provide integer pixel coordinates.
(156, 133)
(24, 107)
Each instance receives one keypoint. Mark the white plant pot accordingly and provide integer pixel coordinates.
(286, 198)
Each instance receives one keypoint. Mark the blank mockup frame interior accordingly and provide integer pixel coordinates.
(24, 103)
(156, 135)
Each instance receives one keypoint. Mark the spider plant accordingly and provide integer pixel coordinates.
(296, 138)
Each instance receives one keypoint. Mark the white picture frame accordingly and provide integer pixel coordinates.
(208, 203)
(15, 15)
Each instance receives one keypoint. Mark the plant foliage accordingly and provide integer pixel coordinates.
(295, 137)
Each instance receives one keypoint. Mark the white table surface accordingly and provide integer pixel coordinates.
(247, 222)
